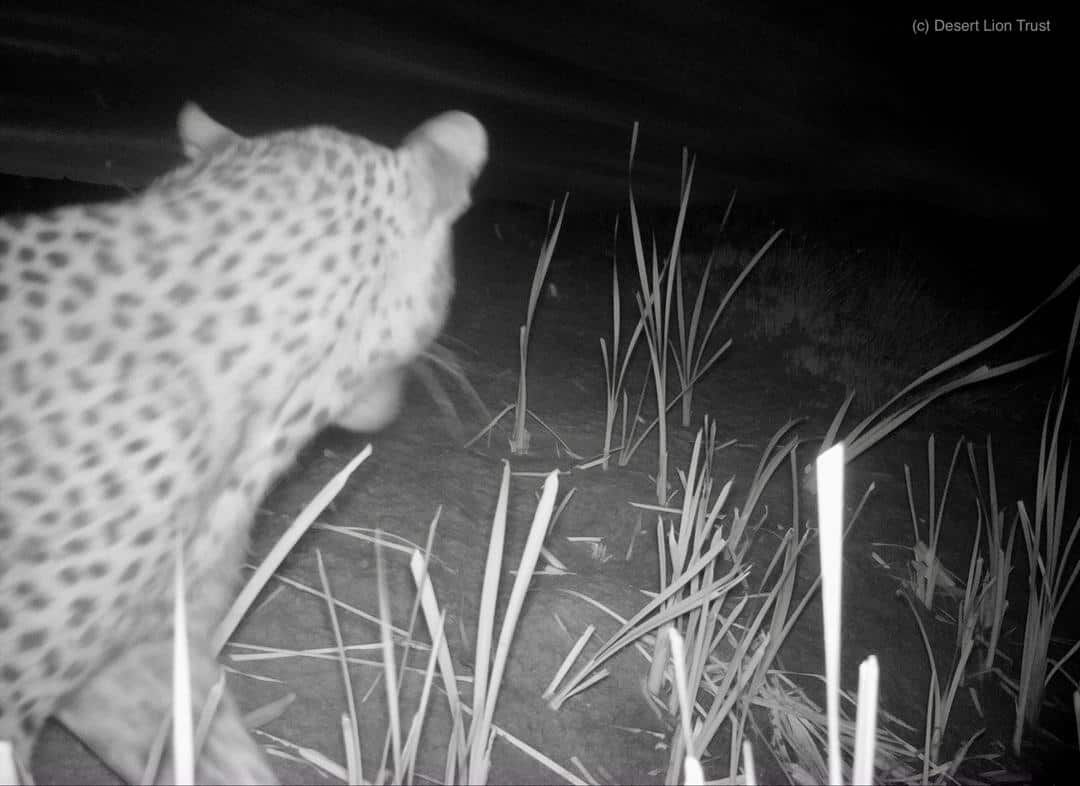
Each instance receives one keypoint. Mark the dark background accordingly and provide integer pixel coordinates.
(836, 119)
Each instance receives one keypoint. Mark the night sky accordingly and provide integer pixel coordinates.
(810, 105)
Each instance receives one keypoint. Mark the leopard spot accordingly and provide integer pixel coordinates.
(136, 445)
(229, 356)
(163, 488)
(88, 636)
(160, 326)
(84, 284)
(49, 518)
(203, 255)
(206, 332)
(107, 263)
(79, 380)
(33, 549)
(227, 291)
(32, 329)
(26, 466)
(29, 497)
(31, 639)
(102, 352)
(130, 572)
(44, 398)
(50, 663)
(143, 229)
(182, 293)
(78, 331)
(34, 277)
(250, 314)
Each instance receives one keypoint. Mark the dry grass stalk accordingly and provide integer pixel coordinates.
(519, 439)
(1049, 542)
(999, 564)
(939, 701)
(615, 371)
(9, 769)
(925, 563)
(862, 771)
(350, 725)
(690, 360)
(689, 342)
(876, 426)
(282, 548)
(182, 732)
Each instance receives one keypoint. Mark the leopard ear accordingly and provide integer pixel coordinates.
(200, 134)
(455, 148)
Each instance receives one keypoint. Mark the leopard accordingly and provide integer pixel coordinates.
(163, 359)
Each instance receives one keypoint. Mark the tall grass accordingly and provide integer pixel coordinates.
(733, 635)
(473, 732)
(468, 754)
(654, 298)
(890, 416)
(519, 440)
(1049, 541)
(939, 700)
(999, 562)
(615, 371)
(925, 563)
(689, 355)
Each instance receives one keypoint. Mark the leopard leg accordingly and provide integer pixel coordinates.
(118, 713)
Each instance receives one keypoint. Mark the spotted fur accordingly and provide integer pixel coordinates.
(162, 360)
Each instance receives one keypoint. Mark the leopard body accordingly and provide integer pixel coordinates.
(162, 361)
